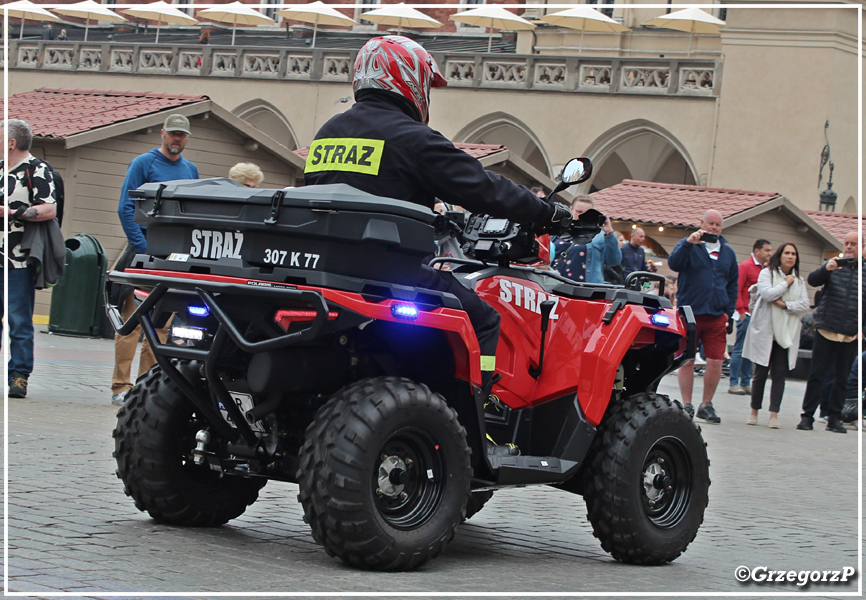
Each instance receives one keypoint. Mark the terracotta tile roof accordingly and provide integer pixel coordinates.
(60, 113)
(673, 204)
(838, 224)
(477, 150)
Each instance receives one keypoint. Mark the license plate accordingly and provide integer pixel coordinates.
(244, 402)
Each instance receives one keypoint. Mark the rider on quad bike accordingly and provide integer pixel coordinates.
(383, 145)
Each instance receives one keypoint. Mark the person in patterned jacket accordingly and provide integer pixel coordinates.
(28, 195)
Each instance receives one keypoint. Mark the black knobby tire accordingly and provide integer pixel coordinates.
(384, 474)
(476, 502)
(153, 443)
(647, 484)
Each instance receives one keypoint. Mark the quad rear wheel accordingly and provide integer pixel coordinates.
(384, 476)
(153, 442)
(647, 483)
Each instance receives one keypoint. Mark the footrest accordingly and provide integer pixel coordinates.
(516, 470)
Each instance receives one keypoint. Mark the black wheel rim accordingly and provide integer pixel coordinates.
(666, 482)
(408, 479)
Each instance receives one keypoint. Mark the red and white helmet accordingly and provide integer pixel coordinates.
(396, 64)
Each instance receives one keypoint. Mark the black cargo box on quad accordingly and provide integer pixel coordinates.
(296, 235)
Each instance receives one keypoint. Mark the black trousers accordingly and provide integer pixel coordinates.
(777, 368)
(836, 357)
(484, 318)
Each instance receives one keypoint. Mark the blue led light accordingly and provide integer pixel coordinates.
(198, 311)
(660, 320)
(404, 311)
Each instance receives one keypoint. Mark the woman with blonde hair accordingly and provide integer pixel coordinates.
(773, 338)
(247, 174)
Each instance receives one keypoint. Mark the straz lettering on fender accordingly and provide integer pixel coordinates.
(355, 155)
(526, 297)
(216, 244)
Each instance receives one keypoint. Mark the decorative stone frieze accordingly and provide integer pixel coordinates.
(155, 60)
(299, 66)
(640, 79)
(697, 81)
(189, 62)
(595, 77)
(224, 63)
(508, 73)
(121, 60)
(261, 65)
(28, 56)
(336, 68)
(460, 71)
(58, 58)
(547, 75)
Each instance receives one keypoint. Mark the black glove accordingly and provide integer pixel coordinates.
(730, 328)
(559, 221)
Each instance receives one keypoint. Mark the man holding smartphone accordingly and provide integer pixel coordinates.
(835, 344)
(707, 282)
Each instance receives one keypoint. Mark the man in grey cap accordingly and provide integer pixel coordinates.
(160, 164)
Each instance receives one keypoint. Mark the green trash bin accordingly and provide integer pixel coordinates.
(77, 305)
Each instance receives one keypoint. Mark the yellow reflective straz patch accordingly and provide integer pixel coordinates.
(356, 155)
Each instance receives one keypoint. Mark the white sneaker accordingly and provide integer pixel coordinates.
(118, 399)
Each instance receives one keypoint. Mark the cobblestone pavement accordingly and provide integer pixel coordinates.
(783, 499)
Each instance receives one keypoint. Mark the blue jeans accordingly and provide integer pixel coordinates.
(741, 368)
(22, 295)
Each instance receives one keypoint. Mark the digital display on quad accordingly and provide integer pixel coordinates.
(495, 226)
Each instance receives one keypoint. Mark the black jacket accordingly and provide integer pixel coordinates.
(43, 245)
(377, 147)
(838, 309)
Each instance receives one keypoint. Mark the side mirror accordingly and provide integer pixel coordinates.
(577, 170)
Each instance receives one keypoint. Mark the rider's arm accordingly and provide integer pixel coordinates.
(458, 178)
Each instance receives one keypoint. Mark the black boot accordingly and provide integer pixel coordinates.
(503, 450)
(835, 425)
(805, 423)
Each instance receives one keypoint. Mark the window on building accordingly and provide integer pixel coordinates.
(185, 6)
(271, 9)
(362, 7)
(606, 11)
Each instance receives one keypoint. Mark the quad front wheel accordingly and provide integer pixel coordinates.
(384, 476)
(647, 483)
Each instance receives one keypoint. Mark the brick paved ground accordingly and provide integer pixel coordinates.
(785, 499)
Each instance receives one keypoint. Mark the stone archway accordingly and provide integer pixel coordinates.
(265, 117)
(643, 151)
(502, 128)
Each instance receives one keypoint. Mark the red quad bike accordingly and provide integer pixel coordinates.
(301, 351)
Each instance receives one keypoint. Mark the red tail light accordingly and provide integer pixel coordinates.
(285, 317)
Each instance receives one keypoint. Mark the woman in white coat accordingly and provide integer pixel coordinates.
(773, 338)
